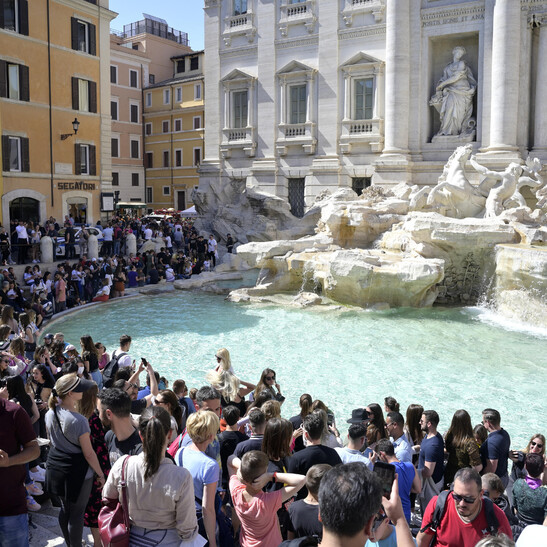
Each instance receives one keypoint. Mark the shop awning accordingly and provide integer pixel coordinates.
(131, 205)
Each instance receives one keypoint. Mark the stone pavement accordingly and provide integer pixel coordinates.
(45, 531)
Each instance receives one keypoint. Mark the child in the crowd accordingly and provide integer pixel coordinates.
(257, 510)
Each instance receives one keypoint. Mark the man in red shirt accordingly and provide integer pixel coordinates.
(18, 446)
(464, 522)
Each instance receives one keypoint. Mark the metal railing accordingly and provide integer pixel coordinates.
(152, 27)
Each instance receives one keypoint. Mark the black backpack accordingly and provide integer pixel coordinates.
(109, 371)
(440, 510)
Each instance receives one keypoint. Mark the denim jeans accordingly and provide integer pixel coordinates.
(14, 531)
(97, 378)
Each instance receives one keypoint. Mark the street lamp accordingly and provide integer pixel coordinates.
(75, 126)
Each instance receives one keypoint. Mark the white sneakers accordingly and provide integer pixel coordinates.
(38, 476)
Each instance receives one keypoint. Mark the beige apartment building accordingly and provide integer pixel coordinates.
(140, 56)
(173, 133)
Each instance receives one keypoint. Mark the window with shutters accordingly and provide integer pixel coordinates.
(115, 179)
(178, 94)
(165, 126)
(135, 149)
(14, 81)
(83, 36)
(148, 128)
(83, 166)
(178, 125)
(197, 157)
(134, 179)
(197, 122)
(115, 146)
(149, 160)
(84, 95)
(114, 109)
(151, 79)
(134, 112)
(197, 92)
(133, 78)
(14, 16)
(113, 74)
(166, 96)
(149, 194)
(178, 158)
(166, 158)
(148, 99)
(15, 154)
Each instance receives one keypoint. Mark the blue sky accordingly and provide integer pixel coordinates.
(183, 15)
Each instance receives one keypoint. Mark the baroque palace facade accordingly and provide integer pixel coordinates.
(308, 95)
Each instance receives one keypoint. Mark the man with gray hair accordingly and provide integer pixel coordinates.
(466, 516)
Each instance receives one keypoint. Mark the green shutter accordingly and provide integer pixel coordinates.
(77, 160)
(75, 94)
(5, 153)
(23, 17)
(92, 39)
(3, 79)
(24, 90)
(74, 27)
(25, 156)
(92, 96)
(92, 161)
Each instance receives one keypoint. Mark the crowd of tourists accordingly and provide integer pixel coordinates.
(80, 279)
(224, 464)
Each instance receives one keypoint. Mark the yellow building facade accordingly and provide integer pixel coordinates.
(173, 134)
(54, 69)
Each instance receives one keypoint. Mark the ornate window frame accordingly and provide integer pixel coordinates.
(242, 137)
(300, 134)
(371, 132)
(243, 24)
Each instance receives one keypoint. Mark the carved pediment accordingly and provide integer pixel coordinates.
(362, 58)
(295, 67)
(237, 76)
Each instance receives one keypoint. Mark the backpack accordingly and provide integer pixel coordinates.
(440, 510)
(110, 369)
(224, 528)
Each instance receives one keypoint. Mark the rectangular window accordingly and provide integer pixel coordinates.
(149, 160)
(178, 158)
(151, 79)
(166, 158)
(197, 92)
(166, 96)
(115, 147)
(197, 122)
(84, 95)
(14, 15)
(149, 195)
(298, 104)
(178, 125)
(181, 65)
(148, 99)
(296, 189)
(113, 74)
(114, 110)
(84, 159)
(15, 154)
(240, 7)
(194, 63)
(14, 81)
(134, 149)
(178, 95)
(133, 78)
(134, 108)
(166, 191)
(165, 126)
(115, 179)
(358, 184)
(15, 163)
(197, 157)
(134, 179)
(363, 99)
(83, 36)
(240, 102)
(148, 129)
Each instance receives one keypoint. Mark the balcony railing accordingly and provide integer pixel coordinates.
(237, 138)
(237, 25)
(370, 132)
(297, 14)
(301, 134)
(152, 27)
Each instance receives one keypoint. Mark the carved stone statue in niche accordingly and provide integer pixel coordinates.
(453, 99)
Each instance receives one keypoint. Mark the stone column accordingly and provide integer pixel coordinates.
(92, 247)
(540, 119)
(46, 249)
(505, 77)
(397, 80)
(131, 244)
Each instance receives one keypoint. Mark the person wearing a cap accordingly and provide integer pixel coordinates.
(71, 461)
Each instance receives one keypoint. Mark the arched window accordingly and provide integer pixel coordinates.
(26, 209)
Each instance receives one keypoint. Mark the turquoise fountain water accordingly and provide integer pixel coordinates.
(444, 359)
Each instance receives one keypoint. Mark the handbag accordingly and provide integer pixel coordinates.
(114, 518)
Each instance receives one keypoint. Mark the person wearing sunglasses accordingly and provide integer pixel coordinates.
(269, 383)
(536, 445)
(464, 522)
